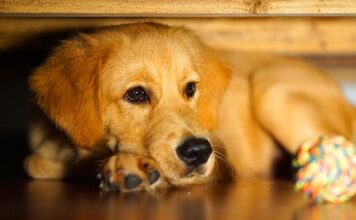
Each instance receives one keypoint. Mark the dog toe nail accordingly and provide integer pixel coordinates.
(132, 181)
(153, 176)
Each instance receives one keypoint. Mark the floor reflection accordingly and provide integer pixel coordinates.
(242, 200)
(327, 211)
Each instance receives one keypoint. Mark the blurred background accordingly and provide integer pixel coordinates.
(327, 42)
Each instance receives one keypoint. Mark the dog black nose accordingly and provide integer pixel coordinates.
(194, 151)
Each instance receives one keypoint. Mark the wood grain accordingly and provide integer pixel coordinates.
(307, 36)
(176, 7)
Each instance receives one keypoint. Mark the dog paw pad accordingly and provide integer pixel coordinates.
(132, 181)
(110, 186)
(127, 172)
(153, 176)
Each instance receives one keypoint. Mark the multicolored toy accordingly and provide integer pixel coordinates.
(326, 169)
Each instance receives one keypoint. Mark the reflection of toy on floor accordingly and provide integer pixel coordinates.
(326, 169)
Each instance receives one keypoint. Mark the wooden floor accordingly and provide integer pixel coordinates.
(37, 200)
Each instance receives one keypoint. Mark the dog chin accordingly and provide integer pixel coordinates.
(195, 176)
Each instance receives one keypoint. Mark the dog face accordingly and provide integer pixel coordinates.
(152, 88)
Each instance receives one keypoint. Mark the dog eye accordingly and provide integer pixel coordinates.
(137, 95)
(190, 89)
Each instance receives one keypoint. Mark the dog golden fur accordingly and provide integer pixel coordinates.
(169, 109)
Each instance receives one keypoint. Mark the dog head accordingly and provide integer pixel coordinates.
(153, 88)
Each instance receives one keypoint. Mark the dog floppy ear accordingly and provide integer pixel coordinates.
(67, 89)
(214, 78)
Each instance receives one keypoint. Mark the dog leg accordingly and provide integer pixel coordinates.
(54, 156)
(295, 102)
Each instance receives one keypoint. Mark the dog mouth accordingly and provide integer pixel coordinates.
(194, 171)
(194, 175)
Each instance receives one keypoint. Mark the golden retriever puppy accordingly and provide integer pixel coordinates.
(169, 110)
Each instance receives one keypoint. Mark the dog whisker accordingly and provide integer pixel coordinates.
(227, 162)
(216, 171)
(224, 159)
(217, 168)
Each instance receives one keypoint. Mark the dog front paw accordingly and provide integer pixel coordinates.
(126, 172)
